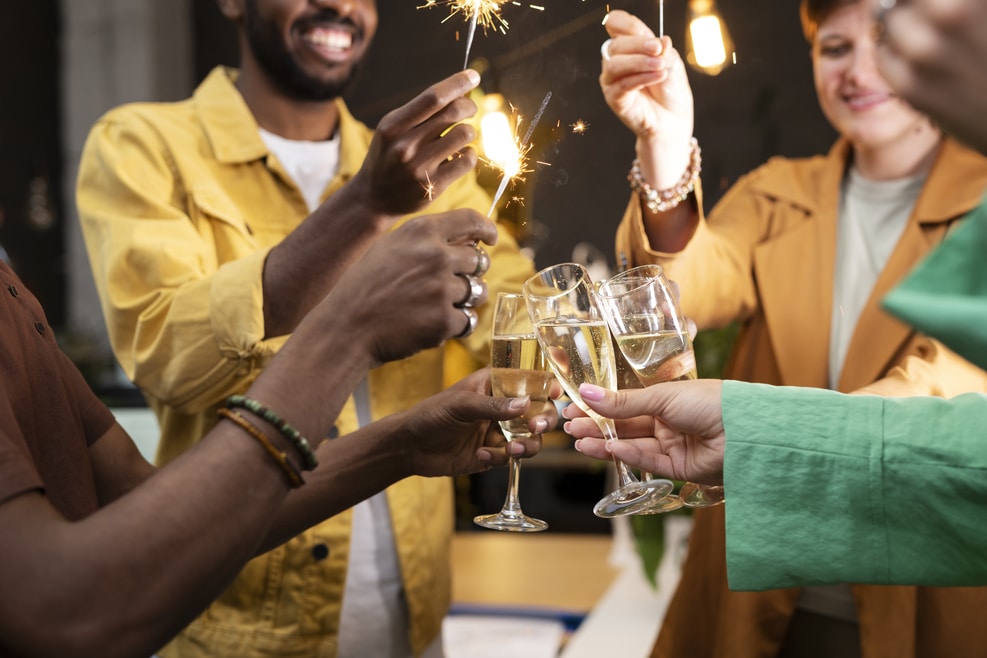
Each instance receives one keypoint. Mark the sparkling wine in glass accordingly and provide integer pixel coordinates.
(517, 369)
(651, 334)
(574, 336)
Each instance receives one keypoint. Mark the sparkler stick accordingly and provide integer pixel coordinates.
(661, 18)
(469, 40)
(521, 150)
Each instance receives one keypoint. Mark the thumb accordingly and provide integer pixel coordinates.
(486, 407)
(623, 404)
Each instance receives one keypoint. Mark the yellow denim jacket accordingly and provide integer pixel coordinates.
(179, 204)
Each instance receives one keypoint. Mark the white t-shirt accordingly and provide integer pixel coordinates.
(374, 618)
(873, 215)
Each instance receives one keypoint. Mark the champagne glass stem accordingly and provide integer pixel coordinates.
(609, 430)
(511, 505)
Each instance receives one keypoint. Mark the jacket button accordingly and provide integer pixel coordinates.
(333, 433)
(13, 290)
(40, 327)
(320, 552)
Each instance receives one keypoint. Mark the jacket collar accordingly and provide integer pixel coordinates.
(233, 132)
(806, 188)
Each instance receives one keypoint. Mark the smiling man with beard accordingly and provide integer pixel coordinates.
(213, 225)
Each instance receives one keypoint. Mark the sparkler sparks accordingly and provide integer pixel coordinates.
(485, 13)
(579, 127)
(514, 168)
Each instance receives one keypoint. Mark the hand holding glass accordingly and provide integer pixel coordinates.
(517, 369)
(651, 333)
(573, 335)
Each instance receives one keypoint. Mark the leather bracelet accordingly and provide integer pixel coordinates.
(300, 443)
(664, 200)
(279, 456)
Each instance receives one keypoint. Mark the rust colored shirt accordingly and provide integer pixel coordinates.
(49, 414)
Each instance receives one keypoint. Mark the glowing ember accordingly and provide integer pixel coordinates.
(579, 127)
(485, 12)
(429, 187)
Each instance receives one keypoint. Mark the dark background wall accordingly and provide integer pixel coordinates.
(30, 150)
(762, 106)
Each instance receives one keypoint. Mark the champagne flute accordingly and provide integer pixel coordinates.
(651, 333)
(517, 368)
(573, 335)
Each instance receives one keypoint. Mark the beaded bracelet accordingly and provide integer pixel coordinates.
(287, 431)
(294, 477)
(664, 200)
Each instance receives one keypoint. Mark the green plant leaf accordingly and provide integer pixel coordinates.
(649, 539)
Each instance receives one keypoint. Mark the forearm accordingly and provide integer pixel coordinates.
(141, 580)
(224, 492)
(317, 253)
(865, 470)
(351, 468)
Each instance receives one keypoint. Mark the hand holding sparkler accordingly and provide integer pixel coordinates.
(644, 82)
(420, 148)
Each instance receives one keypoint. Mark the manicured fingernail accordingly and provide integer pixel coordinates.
(540, 425)
(578, 444)
(518, 404)
(473, 76)
(565, 427)
(591, 392)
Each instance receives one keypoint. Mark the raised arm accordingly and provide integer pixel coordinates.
(645, 84)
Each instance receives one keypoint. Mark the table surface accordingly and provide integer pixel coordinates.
(569, 572)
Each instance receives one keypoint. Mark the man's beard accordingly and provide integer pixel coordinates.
(272, 56)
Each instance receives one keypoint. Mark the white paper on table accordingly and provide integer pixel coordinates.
(487, 636)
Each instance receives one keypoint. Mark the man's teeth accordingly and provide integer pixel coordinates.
(333, 40)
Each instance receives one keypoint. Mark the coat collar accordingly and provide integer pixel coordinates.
(810, 188)
(795, 270)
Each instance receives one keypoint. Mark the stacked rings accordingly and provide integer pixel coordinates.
(471, 320)
(474, 293)
(482, 260)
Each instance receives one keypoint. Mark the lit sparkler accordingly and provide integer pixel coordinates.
(516, 166)
(485, 13)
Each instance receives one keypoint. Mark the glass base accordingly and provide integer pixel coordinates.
(510, 522)
(669, 503)
(632, 498)
(701, 495)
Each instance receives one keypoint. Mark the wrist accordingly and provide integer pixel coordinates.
(663, 195)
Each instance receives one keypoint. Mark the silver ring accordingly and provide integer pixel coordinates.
(474, 293)
(482, 260)
(471, 320)
(605, 50)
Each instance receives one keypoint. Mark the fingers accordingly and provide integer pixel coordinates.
(622, 23)
(431, 102)
(465, 227)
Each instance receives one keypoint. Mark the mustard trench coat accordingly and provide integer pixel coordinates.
(766, 257)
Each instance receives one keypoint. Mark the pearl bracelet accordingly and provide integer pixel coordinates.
(664, 200)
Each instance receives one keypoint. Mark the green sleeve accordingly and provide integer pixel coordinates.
(828, 488)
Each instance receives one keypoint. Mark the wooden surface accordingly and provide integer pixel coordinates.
(558, 571)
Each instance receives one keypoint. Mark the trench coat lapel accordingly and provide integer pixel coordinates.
(950, 192)
(794, 272)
